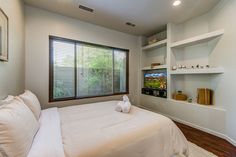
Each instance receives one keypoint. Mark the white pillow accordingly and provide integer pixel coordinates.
(32, 102)
(18, 127)
(6, 100)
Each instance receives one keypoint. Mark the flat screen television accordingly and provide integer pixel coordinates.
(155, 79)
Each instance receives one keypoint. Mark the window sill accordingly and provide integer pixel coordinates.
(86, 97)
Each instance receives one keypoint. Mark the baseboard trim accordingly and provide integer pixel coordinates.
(223, 136)
(230, 140)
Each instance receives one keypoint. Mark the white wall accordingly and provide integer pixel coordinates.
(12, 72)
(220, 119)
(223, 16)
(40, 24)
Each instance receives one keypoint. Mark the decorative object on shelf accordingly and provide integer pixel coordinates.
(155, 45)
(191, 67)
(164, 59)
(204, 96)
(155, 64)
(157, 37)
(190, 100)
(179, 67)
(3, 36)
(152, 41)
(180, 96)
(212, 70)
(174, 67)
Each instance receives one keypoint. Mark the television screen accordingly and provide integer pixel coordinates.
(155, 79)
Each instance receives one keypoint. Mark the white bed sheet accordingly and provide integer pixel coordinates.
(97, 130)
(48, 140)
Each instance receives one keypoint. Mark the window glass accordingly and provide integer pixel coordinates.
(63, 68)
(120, 59)
(95, 71)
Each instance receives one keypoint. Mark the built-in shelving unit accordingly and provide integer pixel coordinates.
(218, 70)
(197, 39)
(177, 50)
(155, 45)
(182, 53)
(155, 67)
(191, 44)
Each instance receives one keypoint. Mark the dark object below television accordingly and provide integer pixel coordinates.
(155, 92)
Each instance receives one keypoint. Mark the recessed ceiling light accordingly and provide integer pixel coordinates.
(177, 3)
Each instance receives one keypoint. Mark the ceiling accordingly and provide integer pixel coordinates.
(149, 16)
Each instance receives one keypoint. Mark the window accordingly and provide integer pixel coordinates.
(82, 70)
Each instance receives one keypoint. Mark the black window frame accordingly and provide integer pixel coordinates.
(51, 69)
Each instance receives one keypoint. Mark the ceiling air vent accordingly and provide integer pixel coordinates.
(130, 24)
(85, 8)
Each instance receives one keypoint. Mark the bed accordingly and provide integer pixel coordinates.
(97, 130)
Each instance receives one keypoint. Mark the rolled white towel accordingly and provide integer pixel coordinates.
(126, 107)
(123, 107)
(125, 98)
(119, 106)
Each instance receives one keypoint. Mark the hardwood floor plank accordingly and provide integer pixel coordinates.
(211, 143)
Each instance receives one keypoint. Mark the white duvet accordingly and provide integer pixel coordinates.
(97, 130)
(48, 141)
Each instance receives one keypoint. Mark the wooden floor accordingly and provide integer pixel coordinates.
(211, 143)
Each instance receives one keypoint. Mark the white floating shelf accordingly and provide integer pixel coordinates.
(155, 67)
(155, 45)
(218, 70)
(197, 105)
(197, 39)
